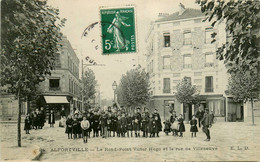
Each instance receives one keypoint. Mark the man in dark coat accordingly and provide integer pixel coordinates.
(199, 115)
(159, 119)
(206, 122)
(137, 122)
(42, 116)
(95, 124)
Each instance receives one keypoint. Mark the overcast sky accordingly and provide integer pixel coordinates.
(82, 13)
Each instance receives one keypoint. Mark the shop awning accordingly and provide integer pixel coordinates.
(56, 99)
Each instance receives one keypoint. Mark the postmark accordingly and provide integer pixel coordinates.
(118, 30)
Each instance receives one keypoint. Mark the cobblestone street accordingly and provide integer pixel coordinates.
(224, 135)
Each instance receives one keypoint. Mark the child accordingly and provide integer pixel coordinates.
(174, 126)
(84, 126)
(27, 124)
(75, 127)
(69, 126)
(118, 126)
(181, 125)
(150, 125)
(123, 125)
(129, 125)
(109, 124)
(144, 122)
(157, 126)
(193, 126)
(62, 121)
(51, 119)
(167, 126)
(79, 126)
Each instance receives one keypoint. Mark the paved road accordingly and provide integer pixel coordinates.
(244, 138)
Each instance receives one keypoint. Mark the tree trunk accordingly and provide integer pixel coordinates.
(19, 120)
(252, 107)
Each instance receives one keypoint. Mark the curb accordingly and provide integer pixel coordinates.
(37, 153)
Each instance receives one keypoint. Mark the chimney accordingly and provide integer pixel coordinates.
(163, 14)
(181, 8)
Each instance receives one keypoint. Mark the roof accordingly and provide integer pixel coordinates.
(188, 13)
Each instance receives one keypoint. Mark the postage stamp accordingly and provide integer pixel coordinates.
(118, 30)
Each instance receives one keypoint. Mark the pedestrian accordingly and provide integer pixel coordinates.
(150, 125)
(137, 121)
(167, 126)
(181, 125)
(174, 124)
(158, 126)
(79, 126)
(109, 125)
(69, 126)
(62, 112)
(123, 125)
(89, 117)
(62, 122)
(199, 115)
(114, 123)
(144, 125)
(129, 120)
(206, 122)
(156, 114)
(95, 124)
(193, 126)
(27, 124)
(84, 126)
(42, 116)
(75, 127)
(51, 119)
(34, 118)
(103, 124)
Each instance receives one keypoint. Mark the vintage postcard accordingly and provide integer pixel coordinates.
(129, 80)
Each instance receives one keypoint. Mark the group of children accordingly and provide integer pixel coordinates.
(112, 124)
(176, 125)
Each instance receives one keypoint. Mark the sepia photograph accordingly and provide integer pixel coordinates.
(130, 80)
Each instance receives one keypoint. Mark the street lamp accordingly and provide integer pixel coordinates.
(114, 85)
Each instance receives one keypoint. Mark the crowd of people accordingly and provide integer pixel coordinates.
(111, 123)
(139, 124)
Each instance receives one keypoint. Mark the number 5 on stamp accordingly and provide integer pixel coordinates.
(118, 30)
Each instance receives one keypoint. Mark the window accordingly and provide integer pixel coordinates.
(209, 60)
(57, 60)
(209, 84)
(54, 84)
(187, 61)
(187, 38)
(166, 85)
(208, 32)
(167, 40)
(166, 62)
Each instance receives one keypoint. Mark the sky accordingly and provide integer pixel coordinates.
(82, 13)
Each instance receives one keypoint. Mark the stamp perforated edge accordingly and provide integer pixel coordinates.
(136, 29)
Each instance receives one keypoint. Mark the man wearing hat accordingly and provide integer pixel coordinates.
(206, 122)
(137, 120)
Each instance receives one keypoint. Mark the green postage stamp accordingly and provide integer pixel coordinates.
(118, 30)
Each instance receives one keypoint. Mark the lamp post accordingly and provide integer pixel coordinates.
(114, 85)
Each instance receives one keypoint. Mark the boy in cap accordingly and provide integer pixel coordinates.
(84, 126)
(206, 122)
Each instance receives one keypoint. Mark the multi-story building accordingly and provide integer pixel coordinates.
(179, 45)
(63, 87)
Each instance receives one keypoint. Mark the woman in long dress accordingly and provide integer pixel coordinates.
(119, 39)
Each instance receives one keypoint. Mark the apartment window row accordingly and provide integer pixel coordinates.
(187, 61)
(73, 67)
(74, 87)
(208, 84)
(187, 37)
(54, 84)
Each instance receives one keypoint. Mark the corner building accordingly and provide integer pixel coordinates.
(179, 45)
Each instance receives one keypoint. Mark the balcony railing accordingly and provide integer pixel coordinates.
(166, 90)
(209, 64)
(187, 66)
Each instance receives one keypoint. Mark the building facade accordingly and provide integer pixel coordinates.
(179, 45)
(63, 87)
